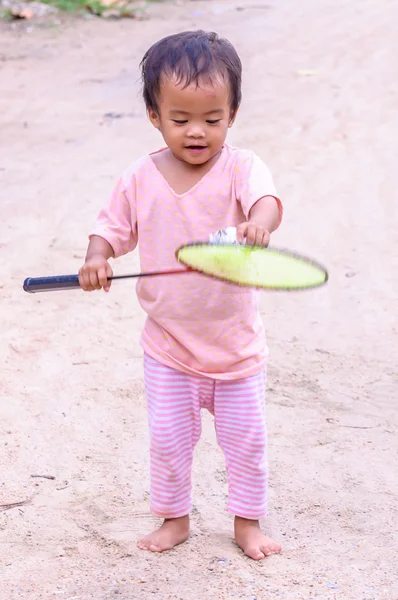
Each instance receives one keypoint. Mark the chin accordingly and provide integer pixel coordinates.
(200, 160)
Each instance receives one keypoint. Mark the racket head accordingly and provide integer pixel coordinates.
(253, 266)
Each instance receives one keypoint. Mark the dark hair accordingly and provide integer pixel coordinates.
(191, 56)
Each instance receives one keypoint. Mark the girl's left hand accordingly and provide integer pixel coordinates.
(254, 234)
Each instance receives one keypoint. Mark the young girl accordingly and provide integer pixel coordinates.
(203, 340)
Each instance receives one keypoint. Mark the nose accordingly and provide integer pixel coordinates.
(196, 131)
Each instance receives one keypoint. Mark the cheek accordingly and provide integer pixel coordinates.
(173, 135)
(220, 132)
(167, 131)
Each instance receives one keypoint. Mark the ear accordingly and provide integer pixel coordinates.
(232, 118)
(154, 118)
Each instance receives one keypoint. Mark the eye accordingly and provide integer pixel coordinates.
(213, 121)
(179, 121)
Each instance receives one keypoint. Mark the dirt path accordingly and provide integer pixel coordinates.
(72, 401)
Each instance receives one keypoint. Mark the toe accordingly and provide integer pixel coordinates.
(270, 548)
(141, 545)
(145, 544)
(275, 547)
(266, 550)
(254, 553)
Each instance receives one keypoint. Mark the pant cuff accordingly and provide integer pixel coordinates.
(248, 514)
(170, 514)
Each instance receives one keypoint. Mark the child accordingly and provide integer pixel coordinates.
(203, 340)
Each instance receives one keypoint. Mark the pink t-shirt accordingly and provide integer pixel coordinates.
(195, 324)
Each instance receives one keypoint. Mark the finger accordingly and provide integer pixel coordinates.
(251, 235)
(84, 281)
(94, 279)
(266, 238)
(102, 277)
(81, 281)
(241, 232)
(109, 273)
(259, 237)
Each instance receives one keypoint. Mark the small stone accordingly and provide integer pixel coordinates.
(332, 586)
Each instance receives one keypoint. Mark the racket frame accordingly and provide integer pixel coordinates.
(283, 251)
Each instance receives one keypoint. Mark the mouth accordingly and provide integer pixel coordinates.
(195, 149)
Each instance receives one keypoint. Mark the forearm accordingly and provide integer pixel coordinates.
(98, 246)
(266, 213)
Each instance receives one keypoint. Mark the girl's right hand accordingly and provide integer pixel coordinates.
(93, 275)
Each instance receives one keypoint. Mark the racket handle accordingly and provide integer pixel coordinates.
(49, 284)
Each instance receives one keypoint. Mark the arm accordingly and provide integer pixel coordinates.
(99, 246)
(115, 234)
(264, 218)
(94, 274)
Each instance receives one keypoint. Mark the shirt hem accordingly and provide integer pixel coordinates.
(172, 363)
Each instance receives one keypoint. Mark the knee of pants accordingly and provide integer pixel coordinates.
(169, 438)
(242, 434)
(247, 447)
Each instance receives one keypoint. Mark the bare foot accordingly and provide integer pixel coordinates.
(170, 534)
(251, 539)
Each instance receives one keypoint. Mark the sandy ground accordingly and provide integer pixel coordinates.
(72, 403)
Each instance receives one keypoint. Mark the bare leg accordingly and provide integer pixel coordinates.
(171, 533)
(252, 541)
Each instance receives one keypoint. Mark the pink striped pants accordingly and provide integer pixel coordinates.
(174, 403)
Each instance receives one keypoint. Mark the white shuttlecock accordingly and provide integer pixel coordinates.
(224, 236)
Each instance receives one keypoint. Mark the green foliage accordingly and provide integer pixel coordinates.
(96, 6)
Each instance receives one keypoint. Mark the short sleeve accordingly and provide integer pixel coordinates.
(253, 181)
(117, 221)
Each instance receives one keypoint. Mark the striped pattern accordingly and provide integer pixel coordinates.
(175, 400)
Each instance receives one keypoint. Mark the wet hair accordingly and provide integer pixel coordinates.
(191, 57)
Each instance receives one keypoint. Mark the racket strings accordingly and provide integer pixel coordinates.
(253, 266)
(238, 265)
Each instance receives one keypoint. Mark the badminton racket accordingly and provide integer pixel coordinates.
(248, 266)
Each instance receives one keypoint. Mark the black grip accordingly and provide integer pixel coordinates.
(49, 284)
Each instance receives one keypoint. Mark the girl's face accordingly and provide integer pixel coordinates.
(194, 120)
